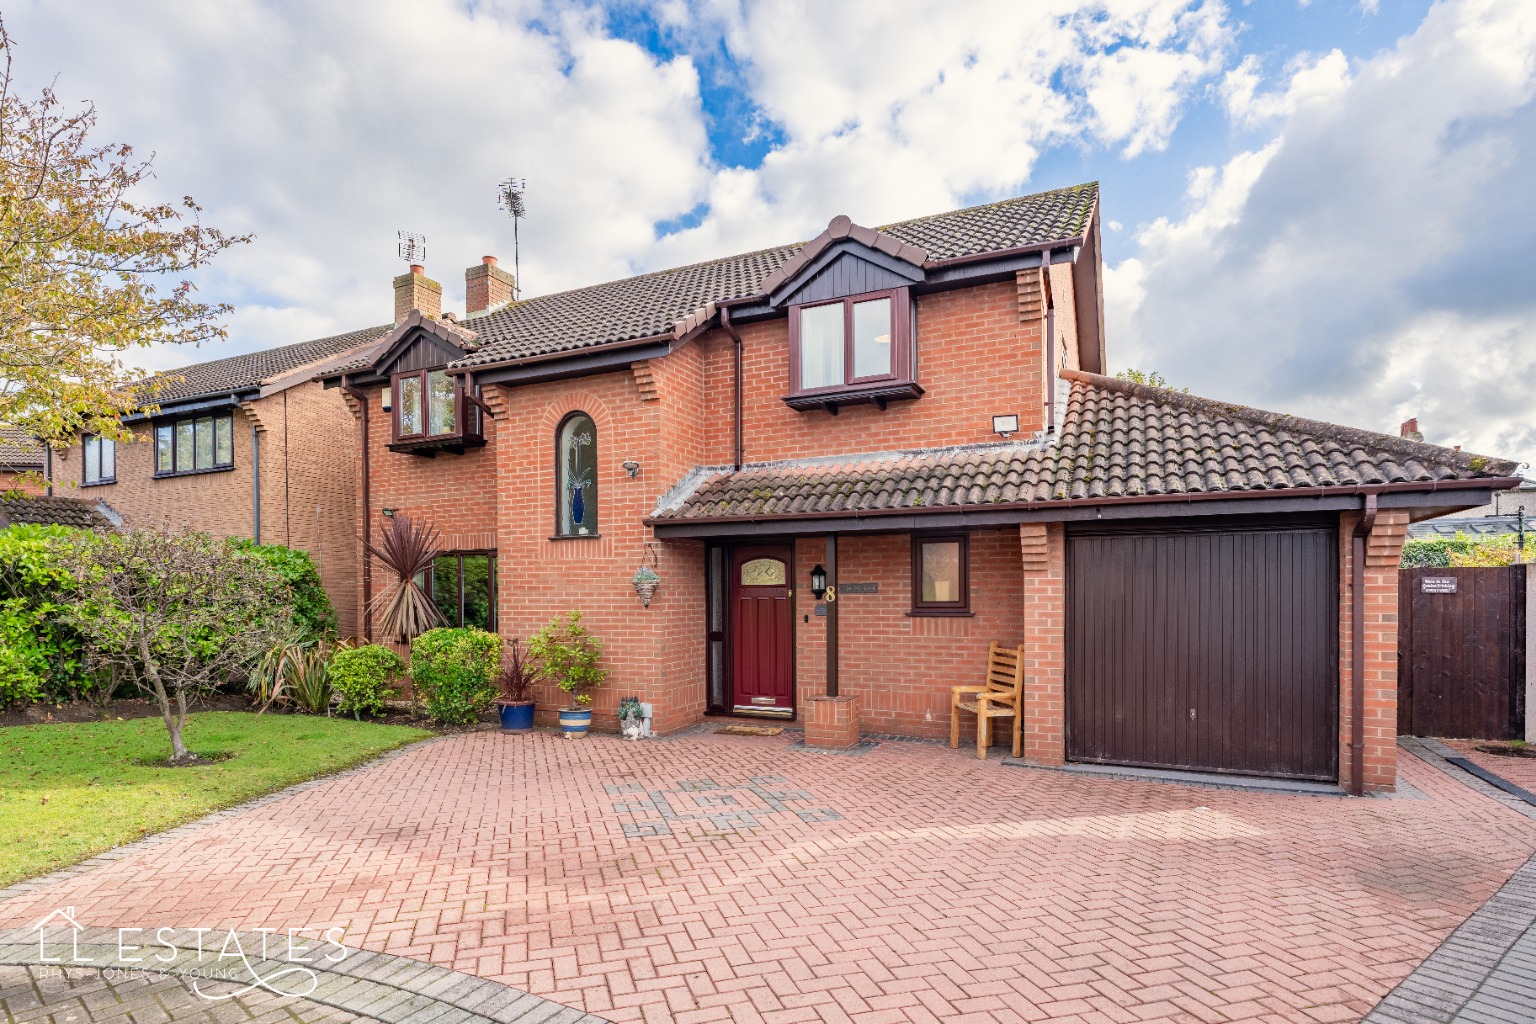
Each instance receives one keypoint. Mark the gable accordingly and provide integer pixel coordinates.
(417, 349)
(847, 267)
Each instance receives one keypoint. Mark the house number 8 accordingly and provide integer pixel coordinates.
(831, 594)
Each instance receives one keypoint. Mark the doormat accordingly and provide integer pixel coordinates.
(750, 730)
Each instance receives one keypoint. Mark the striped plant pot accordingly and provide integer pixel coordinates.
(575, 722)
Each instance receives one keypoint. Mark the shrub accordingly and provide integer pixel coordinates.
(364, 677)
(1463, 550)
(455, 671)
(40, 654)
(568, 655)
(313, 615)
(309, 680)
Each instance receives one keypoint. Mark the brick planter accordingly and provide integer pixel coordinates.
(831, 722)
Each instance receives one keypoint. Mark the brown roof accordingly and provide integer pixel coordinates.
(1118, 440)
(44, 511)
(19, 449)
(248, 371)
(652, 305)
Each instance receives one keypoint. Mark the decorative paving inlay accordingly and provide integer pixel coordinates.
(728, 807)
(63, 974)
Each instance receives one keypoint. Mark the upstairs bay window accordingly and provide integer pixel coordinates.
(851, 350)
(195, 444)
(431, 411)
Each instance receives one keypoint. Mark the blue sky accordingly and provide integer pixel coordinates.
(1317, 207)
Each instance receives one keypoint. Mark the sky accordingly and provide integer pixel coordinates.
(1320, 207)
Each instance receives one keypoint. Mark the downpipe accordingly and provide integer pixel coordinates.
(1361, 534)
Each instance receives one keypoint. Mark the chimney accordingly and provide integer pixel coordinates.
(417, 291)
(486, 286)
(1410, 430)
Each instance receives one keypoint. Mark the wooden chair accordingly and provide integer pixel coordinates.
(1000, 697)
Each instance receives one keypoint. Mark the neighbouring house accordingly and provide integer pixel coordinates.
(49, 510)
(1508, 513)
(919, 414)
(247, 446)
(23, 461)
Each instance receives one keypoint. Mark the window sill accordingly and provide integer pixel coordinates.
(941, 613)
(831, 401)
(193, 472)
(428, 447)
(577, 536)
(99, 483)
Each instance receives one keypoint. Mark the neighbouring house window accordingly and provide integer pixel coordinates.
(940, 575)
(100, 460)
(426, 404)
(464, 588)
(576, 450)
(195, 444)
(864, 341)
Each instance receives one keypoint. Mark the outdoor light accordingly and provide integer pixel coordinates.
(818, 582)
(1005, 425)
(632, 468)
(389, 513)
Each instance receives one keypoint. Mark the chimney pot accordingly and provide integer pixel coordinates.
(417, 268)
(487, 286)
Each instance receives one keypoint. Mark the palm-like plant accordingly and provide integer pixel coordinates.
(407, 550)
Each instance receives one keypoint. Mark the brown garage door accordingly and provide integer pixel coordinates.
(1204, 648)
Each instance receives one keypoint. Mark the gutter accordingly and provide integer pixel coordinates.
(1357, 645)
(177, 407)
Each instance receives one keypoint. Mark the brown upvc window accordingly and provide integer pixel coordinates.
(859, 343)
(195, 444)
(428, 403)
(463, 586)
(941, 578)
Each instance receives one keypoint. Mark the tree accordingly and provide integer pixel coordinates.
(175, 613)
(1151, 379)
(88, 270)
(407, 550)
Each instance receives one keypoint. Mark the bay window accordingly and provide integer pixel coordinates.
(852, 349)
(195, 444)
(432, 412)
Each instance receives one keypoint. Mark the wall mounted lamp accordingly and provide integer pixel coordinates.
(632, 468)
(818, 582)
(389, 513)
(1007, 425)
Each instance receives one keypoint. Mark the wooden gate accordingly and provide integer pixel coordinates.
(1461, 652)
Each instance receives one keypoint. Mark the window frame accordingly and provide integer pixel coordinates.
(903, 348)
(493, 584)
(85, 461)
(959, 607)
(424, 433)
(559, 533)
(172, 423)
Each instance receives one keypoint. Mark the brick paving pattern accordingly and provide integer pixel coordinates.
(38, 995)
(1519, 770)
(943, 888)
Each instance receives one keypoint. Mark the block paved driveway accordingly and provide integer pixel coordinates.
(730, 878)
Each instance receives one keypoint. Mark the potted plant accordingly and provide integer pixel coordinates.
(515, 704)
(567, 655)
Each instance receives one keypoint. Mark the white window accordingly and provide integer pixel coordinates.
(100, 460)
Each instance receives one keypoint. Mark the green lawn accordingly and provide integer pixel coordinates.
(68, 792)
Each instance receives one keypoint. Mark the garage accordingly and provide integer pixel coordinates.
(1205, 647)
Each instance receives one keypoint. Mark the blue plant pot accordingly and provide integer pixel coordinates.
(575, 722)
(516, 717)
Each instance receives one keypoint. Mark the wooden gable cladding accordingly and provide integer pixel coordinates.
(845, 267)
(423, 351)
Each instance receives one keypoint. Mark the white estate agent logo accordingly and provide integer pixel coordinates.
(58, 942)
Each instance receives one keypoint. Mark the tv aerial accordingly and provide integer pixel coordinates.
(412, 247)
(509, 197)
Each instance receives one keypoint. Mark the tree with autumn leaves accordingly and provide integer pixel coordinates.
(91, 269)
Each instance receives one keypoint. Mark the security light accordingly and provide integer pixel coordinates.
(1006, 425)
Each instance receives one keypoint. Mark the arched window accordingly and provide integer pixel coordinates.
(576, 473)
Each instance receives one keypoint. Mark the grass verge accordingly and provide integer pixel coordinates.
(70, 791)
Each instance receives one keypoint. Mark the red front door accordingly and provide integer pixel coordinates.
(763, 626)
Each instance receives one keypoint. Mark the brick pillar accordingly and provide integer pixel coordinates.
(831, 722)
(1043, 547)
(1383, 552)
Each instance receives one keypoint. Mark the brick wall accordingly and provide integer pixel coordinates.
(1044, 565)
(1383, 553)
(308, 442)
(974, 356)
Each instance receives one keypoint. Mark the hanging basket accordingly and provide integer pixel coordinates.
(645, 581)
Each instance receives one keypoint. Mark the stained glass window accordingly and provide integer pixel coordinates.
(762, 572)
(577, 448)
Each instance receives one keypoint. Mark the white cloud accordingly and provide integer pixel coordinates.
(1372, 260)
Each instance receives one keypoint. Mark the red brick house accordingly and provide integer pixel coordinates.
(23, 461)
(918, 412)
(246, 446)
